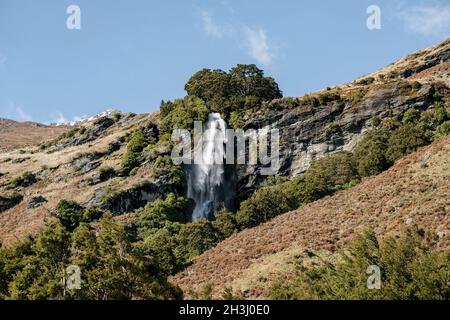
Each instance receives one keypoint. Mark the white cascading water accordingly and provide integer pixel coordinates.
(206, 178)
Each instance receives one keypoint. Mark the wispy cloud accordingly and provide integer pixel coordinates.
(3, 59)
(429, 20)
(254, 39)
(17, 112)
(211, 27)
(258, 46)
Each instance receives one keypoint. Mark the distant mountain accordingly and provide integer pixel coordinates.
(15, 134)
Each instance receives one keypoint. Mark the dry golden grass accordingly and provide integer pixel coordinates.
(409, 192)
(58, 179)
(14, 135)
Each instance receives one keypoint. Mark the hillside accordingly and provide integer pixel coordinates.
(414, 191)
(69, 166)
(64, 172)
(14, 135)
(106, 195)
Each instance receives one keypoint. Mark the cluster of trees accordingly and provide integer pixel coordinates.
(410, 269)
(111, 266)
(163, 234)
(231, 93)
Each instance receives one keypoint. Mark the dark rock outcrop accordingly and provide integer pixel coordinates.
(305, 133)
(127, 200)
(35, 202)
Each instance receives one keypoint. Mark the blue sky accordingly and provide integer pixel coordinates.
(132, 54)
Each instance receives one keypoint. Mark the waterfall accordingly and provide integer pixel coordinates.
(207, 181)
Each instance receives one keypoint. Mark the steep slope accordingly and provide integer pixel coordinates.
(334, 119)
(416, 190)
(312, 126)
(67, 168)
(15, 134)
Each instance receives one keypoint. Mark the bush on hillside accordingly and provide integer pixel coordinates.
(410, 267)
(25, 180)
(405, 140)
(262, 206)
(370, 153)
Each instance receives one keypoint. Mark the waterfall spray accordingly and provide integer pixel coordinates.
(206, 179)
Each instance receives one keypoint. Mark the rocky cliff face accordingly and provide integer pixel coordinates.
(335, 119)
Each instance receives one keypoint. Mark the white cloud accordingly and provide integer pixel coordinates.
(258, 46)
(211, 27)
(428, 20)
(254, 39)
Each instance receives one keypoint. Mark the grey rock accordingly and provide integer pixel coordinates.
(35, 202)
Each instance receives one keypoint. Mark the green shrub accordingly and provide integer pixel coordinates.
(183, 113)
(411, 116)
(156, 213)
(112, 268)
(370, 153)
(136, 143)
(405, 140)
(331, 173)
(328, 97)
(443, 130)
(195, 238)
(171, 174)
(410, 269)
(225, 224)
(262, 206)
(9, 201)
(117, 116)
(69, 213)
(107, 173)
(25, 180)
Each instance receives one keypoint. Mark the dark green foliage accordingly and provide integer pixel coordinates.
(195, 238)
(410, 270)
(443, 129)
(308, 100)
(25, 180)
(161, 247)
(107, 173)
(225, 224)
(69, 213)
(248, 80)
(411, 116)
(136, 143)
(206, 84)
(328, 97)
(39, 269)
(117, 116)
(182, 113)
(404, 140)
(171, 174)
(9, 201)
(111, 267)
(264, 205)
(244, 87)
(370, 153)
(155, 214)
